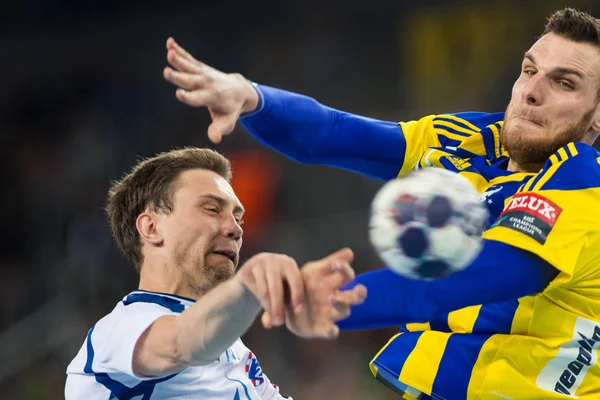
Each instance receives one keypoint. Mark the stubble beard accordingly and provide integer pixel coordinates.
(529, 152)
(198, 274)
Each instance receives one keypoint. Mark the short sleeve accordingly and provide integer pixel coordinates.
(110, 343)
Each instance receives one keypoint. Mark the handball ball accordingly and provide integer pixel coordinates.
(427, 224)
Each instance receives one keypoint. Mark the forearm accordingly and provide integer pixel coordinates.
(309, 132)
(500, 273)
(214, 322)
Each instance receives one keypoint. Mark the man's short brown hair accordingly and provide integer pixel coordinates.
(577, 26)
(150, 185)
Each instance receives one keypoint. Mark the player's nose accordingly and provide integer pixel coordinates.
(532, 92)
(232, 228)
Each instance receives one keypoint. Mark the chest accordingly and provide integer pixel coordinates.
(489, 177)
(235, 376)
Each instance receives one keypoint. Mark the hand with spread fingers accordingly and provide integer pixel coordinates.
(324, 301)
(226, 96)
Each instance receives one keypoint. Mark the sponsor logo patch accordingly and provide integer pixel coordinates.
(531, 214)
(567, 370)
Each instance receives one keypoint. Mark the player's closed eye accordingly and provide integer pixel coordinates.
(566, 85)
(213, 210)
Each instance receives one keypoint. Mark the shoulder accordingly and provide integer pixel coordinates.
(575, 166)
(472, 120)
(124, 317)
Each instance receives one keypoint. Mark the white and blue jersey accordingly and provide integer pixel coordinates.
(102, 370)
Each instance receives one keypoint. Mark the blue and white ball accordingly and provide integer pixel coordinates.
(427, 224)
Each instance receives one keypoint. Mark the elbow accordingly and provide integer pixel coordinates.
(157, 352)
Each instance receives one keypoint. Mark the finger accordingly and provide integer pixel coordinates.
(194, 98)
(184, 64)
(173, 45)
(330, 263)
(275, 288)
(346, 254)
(221, 125)
(340, 311)
(261, 288)
(340, 273)
(347, 298)
(184, 80)
(293, 277)
(266, 320)
(332, 332)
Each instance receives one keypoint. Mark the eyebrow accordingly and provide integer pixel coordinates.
(222, 202)
(558, 70)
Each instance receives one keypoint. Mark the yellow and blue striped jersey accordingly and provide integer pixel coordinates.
(537, 347)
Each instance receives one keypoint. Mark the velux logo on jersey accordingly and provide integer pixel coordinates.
(530, 214)
(535, 204)
(564, 373)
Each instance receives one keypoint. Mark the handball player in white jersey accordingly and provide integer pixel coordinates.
(178, 221)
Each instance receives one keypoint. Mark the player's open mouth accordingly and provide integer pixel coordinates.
(227, 253)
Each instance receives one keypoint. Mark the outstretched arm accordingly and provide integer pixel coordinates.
(295, 125)
(500, 273)
(309, 132)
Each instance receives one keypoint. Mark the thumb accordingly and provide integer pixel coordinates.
(266, 320)
(221, 125)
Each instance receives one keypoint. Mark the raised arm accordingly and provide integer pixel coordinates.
(295, 125)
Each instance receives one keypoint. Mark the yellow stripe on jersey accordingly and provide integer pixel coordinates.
(486, 357)
(373, 367)
(563, 154)
(527, 186)
(455, 127)
(462, 121)
(572, 149)
(522, 316)
(421, 366)
(477, 180)
(419, 137)
(463, 320)
(417, 326)
(545, 177)
(496, 132)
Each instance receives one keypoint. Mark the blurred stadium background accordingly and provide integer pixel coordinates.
(83, 97)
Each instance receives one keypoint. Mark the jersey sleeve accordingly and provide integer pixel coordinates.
(555, 214)
(307, 131)
(110, 343)
(468, 134)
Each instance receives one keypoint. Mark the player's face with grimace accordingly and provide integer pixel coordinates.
(554, 101)
(202, 234)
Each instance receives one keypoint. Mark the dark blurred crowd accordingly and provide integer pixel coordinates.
(83, 99)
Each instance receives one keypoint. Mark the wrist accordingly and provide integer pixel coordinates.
(251, 96)
(241, 290)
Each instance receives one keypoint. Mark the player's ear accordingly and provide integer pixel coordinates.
(596, 119)
(147, 226)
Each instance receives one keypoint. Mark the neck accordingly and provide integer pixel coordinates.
(513, 166)
(165, 279)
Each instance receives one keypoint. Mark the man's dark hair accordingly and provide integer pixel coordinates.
(150, 185)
